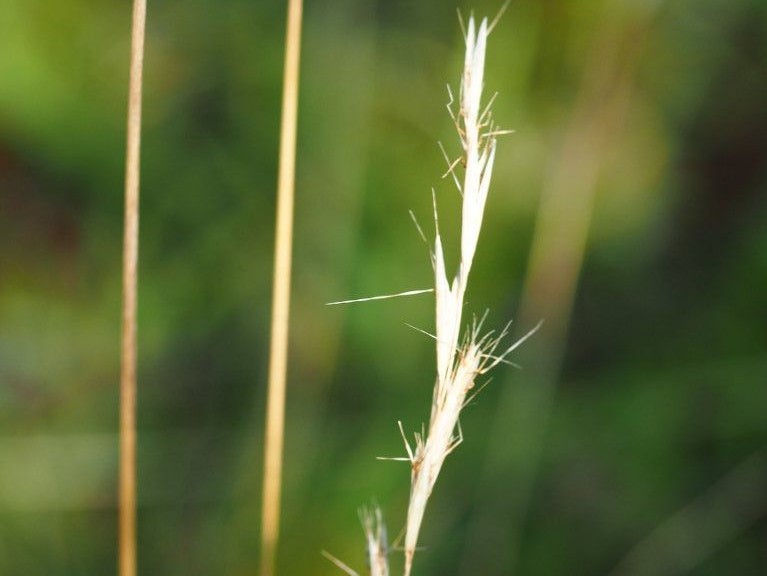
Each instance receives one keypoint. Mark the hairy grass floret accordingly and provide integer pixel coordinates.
(460, 361)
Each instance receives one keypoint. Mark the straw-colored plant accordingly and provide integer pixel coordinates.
(460, 360)
(126, 526)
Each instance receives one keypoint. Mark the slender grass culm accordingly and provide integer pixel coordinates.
(127, 474)
(460, 360)
(278, 352)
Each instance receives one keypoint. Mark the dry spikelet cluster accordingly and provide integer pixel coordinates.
(459, 360)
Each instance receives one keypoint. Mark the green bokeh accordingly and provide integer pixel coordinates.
(653, 439)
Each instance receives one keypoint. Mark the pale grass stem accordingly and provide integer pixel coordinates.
(275, 411)
(127, 474)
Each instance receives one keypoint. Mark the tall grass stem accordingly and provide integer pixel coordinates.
(275, 416)
(127, 479)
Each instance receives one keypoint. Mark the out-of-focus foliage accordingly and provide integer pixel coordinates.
(658, 393)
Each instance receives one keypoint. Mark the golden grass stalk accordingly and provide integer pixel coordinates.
(275, 411)
(127, 481)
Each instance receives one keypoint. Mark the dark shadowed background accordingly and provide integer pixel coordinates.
(628, 210)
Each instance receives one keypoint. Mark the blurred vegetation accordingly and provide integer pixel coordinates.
(645, 393)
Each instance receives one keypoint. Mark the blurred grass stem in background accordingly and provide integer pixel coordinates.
(275, 411)
(556, 259)
(715, 517)
(127, 487)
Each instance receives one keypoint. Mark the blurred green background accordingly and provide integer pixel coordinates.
(629, 211)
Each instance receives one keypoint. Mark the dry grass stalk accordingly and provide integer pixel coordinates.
(127, 480)
(275, 416)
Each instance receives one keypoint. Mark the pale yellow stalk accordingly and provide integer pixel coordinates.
(278, 354)
(127, 482)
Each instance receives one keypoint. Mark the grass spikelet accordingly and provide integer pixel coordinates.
(457, 365)
(376, 539)
(460, 360)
